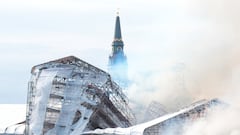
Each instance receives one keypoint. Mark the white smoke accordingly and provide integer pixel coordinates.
(210, 51)
(218, 122)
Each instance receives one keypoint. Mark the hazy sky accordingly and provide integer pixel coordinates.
(157, 34)
(33, 32)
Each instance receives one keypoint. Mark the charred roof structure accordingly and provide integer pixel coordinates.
(187, 115)
(69, 96)
(168, 124)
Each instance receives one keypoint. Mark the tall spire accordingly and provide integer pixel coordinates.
(117, 59)
(117, 35)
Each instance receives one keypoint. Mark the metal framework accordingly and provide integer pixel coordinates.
(69, 96)
(176, 124)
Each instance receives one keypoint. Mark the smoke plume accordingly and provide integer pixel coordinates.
(218, 122)
(206, 66)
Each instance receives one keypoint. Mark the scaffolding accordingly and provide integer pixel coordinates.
(73, 96)
(176, 124)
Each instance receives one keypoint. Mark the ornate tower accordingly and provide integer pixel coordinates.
(117, 60)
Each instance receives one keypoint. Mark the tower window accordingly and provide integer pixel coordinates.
(119, 49)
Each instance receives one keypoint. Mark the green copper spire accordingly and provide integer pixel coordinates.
(117, 35)
(117, 59)
(117, 41)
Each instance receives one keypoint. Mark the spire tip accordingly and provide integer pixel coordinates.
(118, 12)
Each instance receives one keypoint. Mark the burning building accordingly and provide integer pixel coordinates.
(168, 124)
(68, 96)
(175, 124)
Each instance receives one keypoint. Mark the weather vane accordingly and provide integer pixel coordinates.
(118, 9)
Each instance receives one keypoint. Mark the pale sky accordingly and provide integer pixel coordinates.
(156, 33)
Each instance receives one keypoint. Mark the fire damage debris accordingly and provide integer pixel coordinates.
(169, 124)
(70, 97)
(154, 110)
